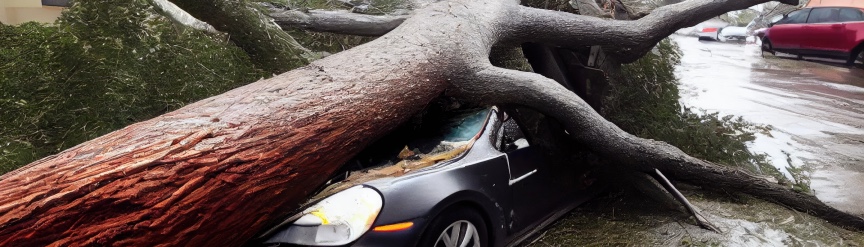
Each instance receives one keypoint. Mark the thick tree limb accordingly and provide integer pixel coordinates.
(341, 22)
(501, 86)
(269, 47)
(626, 40)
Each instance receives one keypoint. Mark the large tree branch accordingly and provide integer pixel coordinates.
(333, 21)
(626, 40)
(269, 47)
(494, 85)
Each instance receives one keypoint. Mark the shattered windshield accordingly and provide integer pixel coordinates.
(464, 126)
(435, 131)
(438, 134)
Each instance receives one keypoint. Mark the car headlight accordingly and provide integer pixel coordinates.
(336, 220)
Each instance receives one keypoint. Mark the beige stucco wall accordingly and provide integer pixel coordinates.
(14, 12)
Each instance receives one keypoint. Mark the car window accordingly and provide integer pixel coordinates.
(824, 15)
(851, 14)
(798, 16)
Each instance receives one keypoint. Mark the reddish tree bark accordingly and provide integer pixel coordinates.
(215, 172)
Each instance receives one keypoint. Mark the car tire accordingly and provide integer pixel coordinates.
(856, 55)
(766, 46)
(465, 223)
(799, 57)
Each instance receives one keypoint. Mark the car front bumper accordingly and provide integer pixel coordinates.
(407, 237)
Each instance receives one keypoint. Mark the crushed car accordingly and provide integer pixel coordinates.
(464, 177)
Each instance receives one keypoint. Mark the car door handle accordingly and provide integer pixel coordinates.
(837, 26)
(516, 180)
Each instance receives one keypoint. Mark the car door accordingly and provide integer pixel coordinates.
(853, 28)
(823, 30)
(786, 33)
(532, 197)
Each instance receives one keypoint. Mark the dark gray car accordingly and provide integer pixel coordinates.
(496, 193)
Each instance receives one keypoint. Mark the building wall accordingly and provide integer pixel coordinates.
(14, 12)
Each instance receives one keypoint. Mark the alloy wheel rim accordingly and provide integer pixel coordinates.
(459, 234)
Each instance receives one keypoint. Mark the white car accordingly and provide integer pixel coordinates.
(732, 33)
(708, 30)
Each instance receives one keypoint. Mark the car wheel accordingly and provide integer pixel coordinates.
(454, 228)
(766, 46)
(857, 55)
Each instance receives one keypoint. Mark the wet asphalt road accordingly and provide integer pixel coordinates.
(815, 108)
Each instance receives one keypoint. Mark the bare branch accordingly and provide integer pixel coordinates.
(627, 40)
(492, 85)
(697, 214)
(335, 21)
(179, 16)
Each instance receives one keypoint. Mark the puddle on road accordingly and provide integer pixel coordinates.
(815, 108)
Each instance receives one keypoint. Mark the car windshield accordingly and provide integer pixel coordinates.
(440, 133)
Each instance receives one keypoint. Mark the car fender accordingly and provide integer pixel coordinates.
(491, 211)
(427, 195)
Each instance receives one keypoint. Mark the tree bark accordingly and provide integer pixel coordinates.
(219, 170)
(341, 22)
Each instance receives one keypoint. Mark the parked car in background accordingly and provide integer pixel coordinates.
(472, 179)
(709, 30)
(824, 31)
(732, 33)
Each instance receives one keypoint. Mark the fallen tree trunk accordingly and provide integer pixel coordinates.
(218, 171)
(215, 172)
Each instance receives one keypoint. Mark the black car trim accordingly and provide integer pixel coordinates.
(816, 53)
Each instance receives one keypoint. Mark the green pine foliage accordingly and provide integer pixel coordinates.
(103, 65)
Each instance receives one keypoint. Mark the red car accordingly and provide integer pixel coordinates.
(832, 32)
